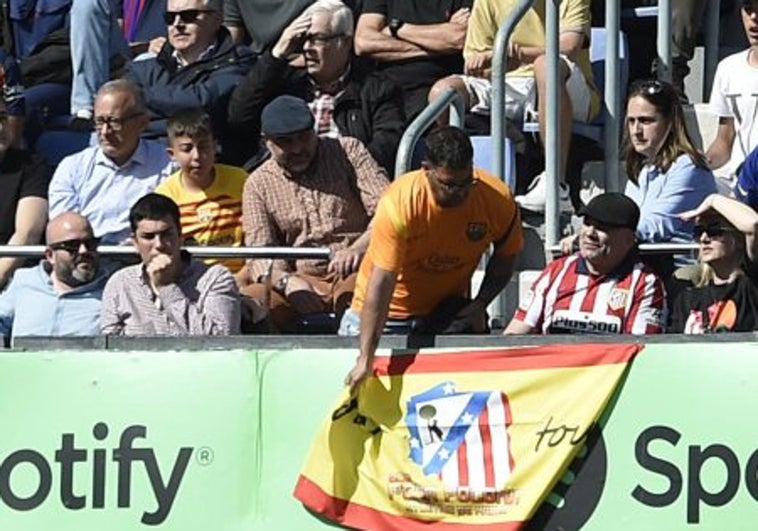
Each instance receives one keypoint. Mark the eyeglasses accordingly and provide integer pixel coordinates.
(186, 16)
(113, 123)
(713, 230)
(453, 186)
(72, 246)
(321, 39)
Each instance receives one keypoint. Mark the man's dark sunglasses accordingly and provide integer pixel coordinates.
(72, 246)
(713, 230)
(187, 16)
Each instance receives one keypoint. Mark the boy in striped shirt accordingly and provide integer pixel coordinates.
(209, 195)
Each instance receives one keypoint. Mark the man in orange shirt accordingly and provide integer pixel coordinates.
(427, 237)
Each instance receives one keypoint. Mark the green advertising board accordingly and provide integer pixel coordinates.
(100, 440)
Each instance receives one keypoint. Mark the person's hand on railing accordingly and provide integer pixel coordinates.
(345, 262)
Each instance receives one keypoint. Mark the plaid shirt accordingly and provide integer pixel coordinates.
(322, 106)
(330, 206)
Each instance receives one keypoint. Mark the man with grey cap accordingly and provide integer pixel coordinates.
(313, 192)
(602, 289)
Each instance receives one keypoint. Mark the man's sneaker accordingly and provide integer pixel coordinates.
(81, 121)
(536, 196)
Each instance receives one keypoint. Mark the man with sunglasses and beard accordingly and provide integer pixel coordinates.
(198, 66)
(602, 289)
(428, 235)
(60, 296)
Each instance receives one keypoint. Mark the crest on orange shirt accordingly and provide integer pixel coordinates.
(476, 231)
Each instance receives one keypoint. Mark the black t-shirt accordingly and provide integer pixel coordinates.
(21, 175)
(726, 308)
(414, 73)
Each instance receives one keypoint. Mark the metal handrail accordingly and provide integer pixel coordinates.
(282, 253)
(412, 134)
(649, 248)
(499, 62)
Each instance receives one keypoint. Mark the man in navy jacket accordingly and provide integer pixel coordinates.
(198, 66)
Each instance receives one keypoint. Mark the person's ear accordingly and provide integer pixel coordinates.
(170, 152)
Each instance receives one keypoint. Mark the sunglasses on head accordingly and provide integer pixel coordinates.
(187, 16)
(651, 87)
(713, 230)
(73, 246)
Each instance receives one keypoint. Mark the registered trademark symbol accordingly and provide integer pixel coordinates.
(204, 456)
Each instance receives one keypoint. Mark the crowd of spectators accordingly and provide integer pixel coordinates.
(255, 123)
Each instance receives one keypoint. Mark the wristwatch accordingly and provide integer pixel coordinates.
(281, 285)
(395, 25)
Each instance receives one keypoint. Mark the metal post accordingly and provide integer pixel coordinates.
(664, 40)
(711, 58)
(497, 118)
(612, 97)
(499, 62)
(551, 108)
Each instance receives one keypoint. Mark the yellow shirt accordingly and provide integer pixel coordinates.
(212, 216)
(573, 15)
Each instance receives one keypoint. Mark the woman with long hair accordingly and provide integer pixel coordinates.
(666, 174)
(725, 297)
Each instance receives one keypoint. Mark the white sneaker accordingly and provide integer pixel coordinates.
(536, 196)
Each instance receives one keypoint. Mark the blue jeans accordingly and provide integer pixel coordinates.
(350, 325)
(95, 38)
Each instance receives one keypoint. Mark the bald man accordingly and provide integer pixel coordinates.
(60, 296)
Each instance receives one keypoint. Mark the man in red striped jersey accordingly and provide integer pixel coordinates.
(602, 289)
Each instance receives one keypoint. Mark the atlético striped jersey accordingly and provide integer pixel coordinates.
(567, 299)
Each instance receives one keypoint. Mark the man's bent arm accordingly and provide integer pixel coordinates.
(379, 291)
(720, 151)
(497, 275)
(371, 41)
(31, 217)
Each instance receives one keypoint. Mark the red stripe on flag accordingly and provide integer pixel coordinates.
(508, 359)
(462, 452)
(362, 517)
(489, 465)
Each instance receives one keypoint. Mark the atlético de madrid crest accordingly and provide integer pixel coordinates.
(461, 437)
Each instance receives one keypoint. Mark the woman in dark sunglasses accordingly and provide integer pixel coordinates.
(667, 174)
(725, 296)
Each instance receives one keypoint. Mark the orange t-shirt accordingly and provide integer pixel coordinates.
(436, 250)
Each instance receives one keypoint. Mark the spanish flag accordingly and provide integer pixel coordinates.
(458, 440)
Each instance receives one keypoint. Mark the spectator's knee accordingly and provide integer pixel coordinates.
(449, 82)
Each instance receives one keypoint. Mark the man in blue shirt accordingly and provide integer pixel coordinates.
(103, 182)
(60, 296)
